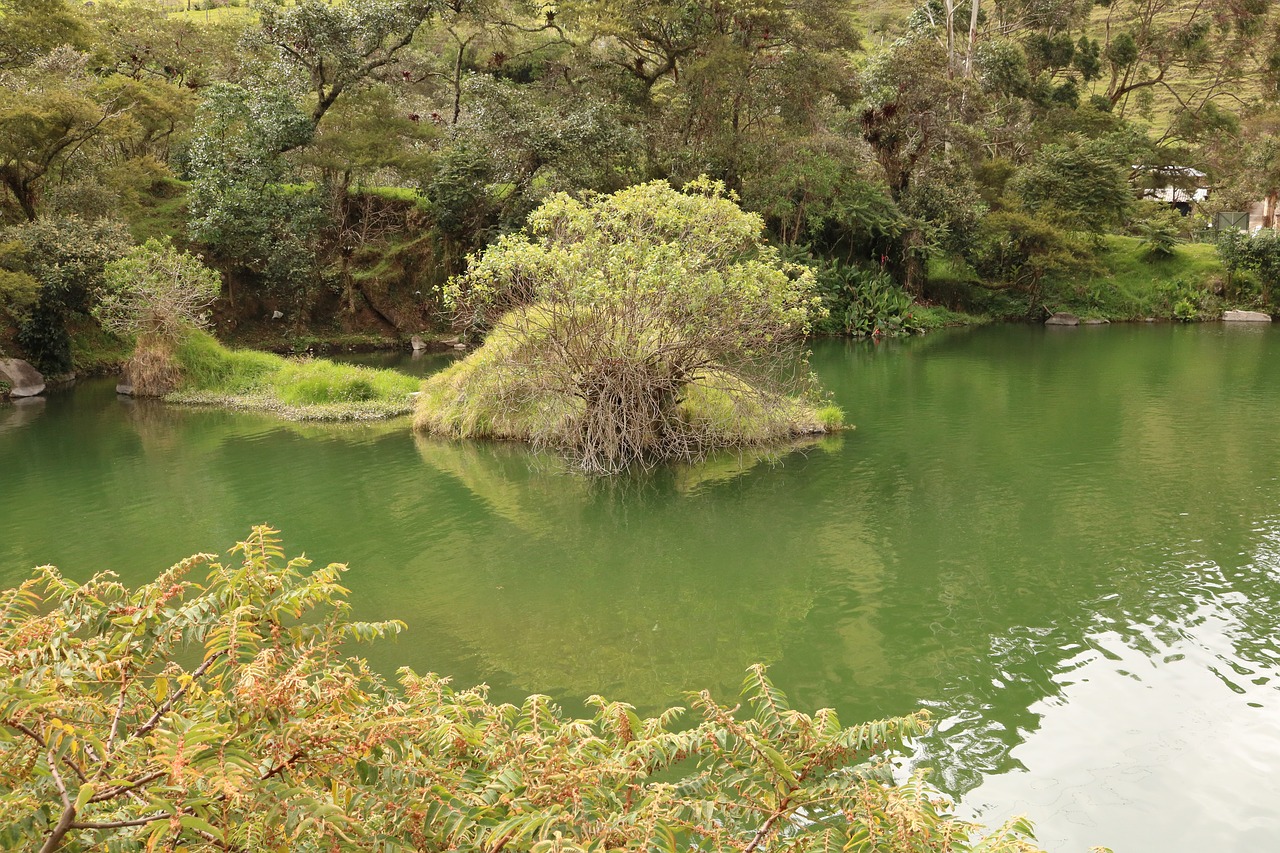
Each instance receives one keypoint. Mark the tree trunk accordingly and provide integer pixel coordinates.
(974, 6)
(23, 193)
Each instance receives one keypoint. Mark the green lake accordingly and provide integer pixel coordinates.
(1064, 542)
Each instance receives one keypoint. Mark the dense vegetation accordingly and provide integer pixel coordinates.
(642, 326)
(337, 162)
(225, 712)
(326, 167)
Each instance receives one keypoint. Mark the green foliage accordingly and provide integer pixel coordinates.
(585, 145)
(333, 47)
(1258, 253)
(67, 257)
(1018, 251)
(19, 290)
(465, 208)
(818, 197)
(1122, 282)
(1159, 236)
(863, 302)
(219, 708)
(298, 389)
(32, 28)
(1081, 184)
(240, 201)
(156, 290)
(616, 304)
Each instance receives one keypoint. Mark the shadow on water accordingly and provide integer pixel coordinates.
(1067, 545)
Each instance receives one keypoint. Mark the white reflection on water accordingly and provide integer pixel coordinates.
(1158, 737)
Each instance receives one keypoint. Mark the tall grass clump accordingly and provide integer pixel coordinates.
(486, 396)
(299, 389)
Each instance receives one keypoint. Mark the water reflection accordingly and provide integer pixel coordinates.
(588, 586)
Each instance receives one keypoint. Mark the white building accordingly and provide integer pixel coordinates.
(1180, 186)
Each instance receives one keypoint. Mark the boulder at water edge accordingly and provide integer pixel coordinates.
(1062, 318)
(25, 380)
(1246, 317)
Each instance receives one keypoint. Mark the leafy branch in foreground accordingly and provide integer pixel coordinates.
(225, 714)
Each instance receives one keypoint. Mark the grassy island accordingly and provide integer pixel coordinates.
(643, 326)
(480, 397)
(293, 388)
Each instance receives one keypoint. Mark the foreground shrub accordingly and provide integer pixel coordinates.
(607, 311)
(224, 713)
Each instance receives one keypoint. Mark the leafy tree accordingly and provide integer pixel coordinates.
(1019, 251)
(242, 201)
(537, 149)
(225, 712)
(821, 196)
(156, 291)
(612, 307)
(67, 257)
(19, 290)
(30, 29)
(1198, 53)
(715, 81)
(1259, 252)
(46, 119)
(911, 111)
(337, 46)
(1083, 184)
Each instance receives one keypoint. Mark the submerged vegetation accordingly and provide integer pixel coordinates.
(273, 736)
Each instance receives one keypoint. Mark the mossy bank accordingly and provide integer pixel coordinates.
(208, 373)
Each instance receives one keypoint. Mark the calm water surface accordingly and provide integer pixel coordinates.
(1066, 543)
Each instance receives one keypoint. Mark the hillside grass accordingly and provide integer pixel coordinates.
(293, 388)
(1125, 284)
(1132, 285)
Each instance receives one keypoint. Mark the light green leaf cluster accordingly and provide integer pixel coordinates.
(644, 325)
(695, 259)
(156, 289)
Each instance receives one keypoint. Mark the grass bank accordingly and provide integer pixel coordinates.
(293, 388)
(1124, 283)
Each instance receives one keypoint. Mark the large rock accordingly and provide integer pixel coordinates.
(417, 343)
(1246, 317)
(25, 380)
(1062, 318)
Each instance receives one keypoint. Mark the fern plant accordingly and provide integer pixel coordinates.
(226, 713)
